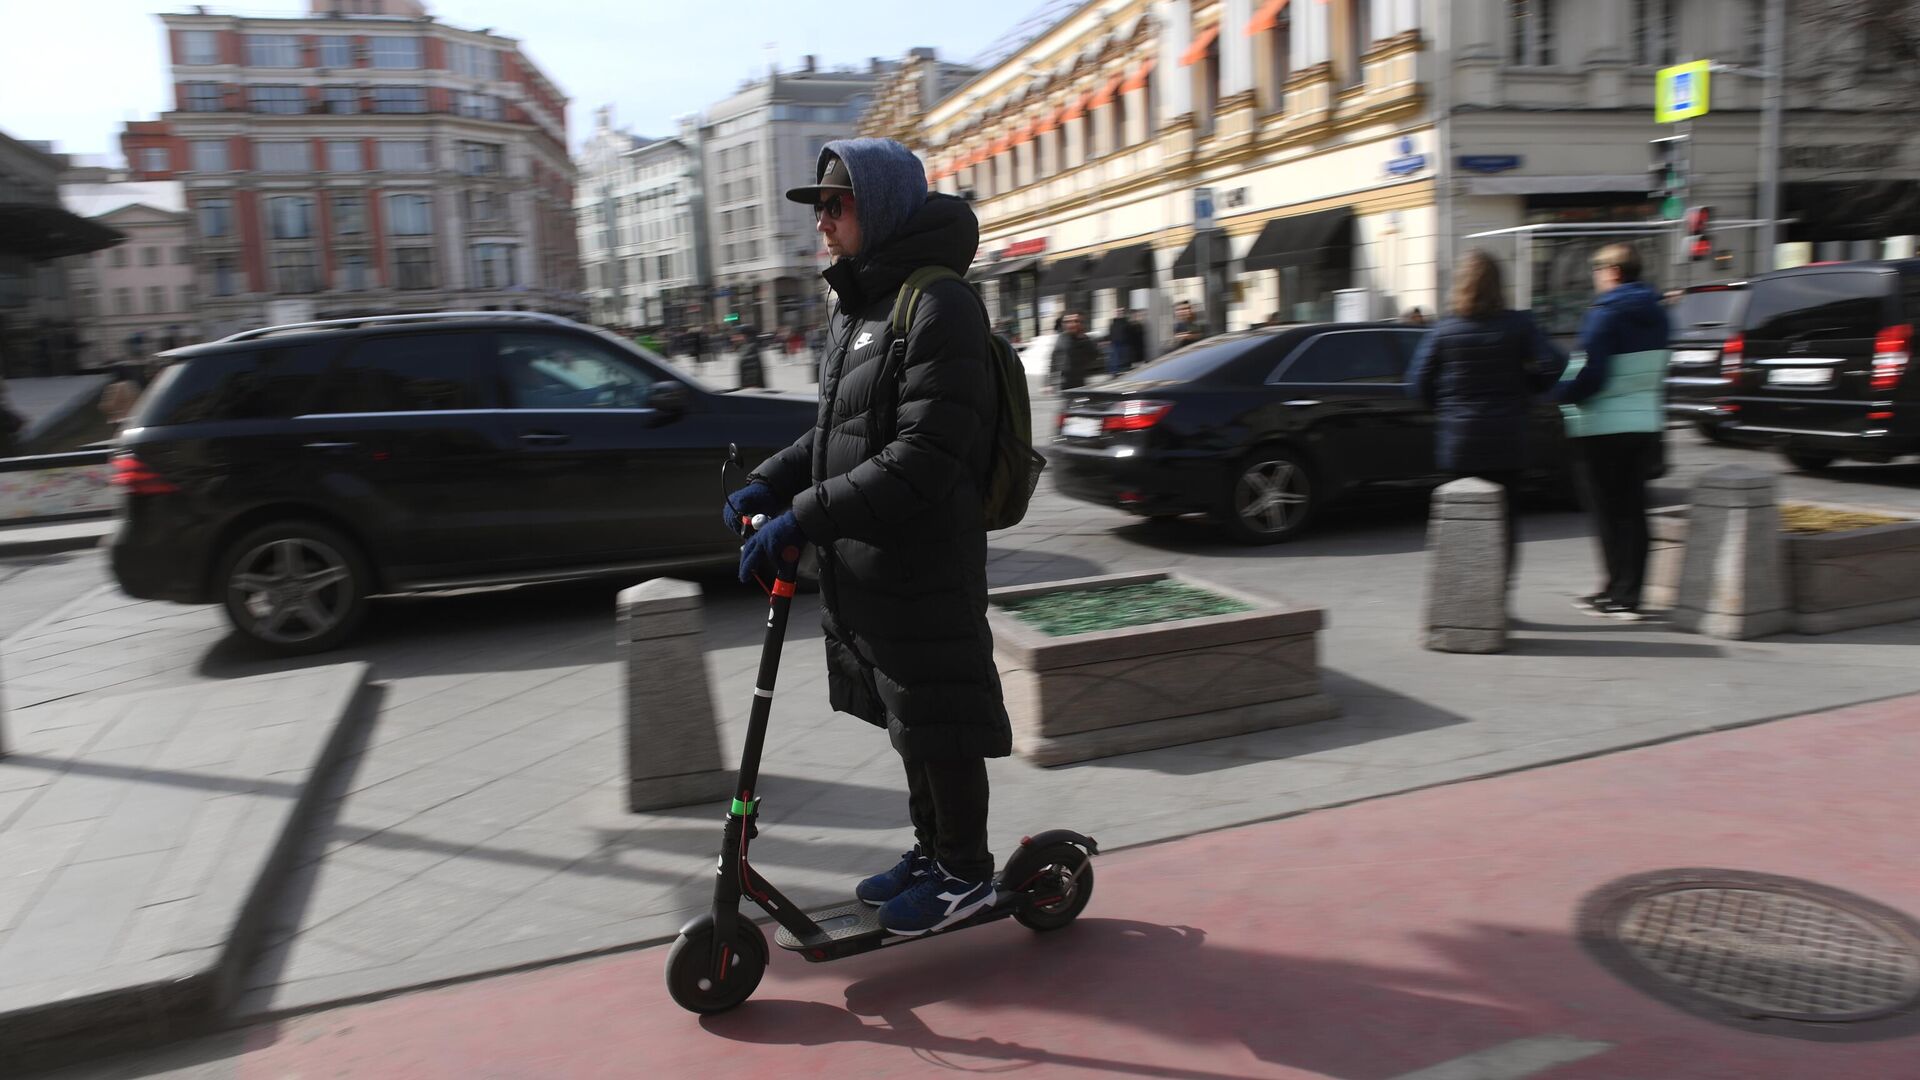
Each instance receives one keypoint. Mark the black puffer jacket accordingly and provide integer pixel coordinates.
(1481, 376)
(892, 496)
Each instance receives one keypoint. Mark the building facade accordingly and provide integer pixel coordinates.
(642, 223)
(138, 297)
(351, 162)
(1352, 148)
(754, 145)
(41, 242)
(902, 100)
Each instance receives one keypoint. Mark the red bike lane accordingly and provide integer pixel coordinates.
(1427, 936)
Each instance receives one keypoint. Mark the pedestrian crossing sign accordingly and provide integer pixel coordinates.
(1681, 92)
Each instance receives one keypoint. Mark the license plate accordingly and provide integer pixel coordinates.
(1080, 427)
(1695, 357)
(1798, 376)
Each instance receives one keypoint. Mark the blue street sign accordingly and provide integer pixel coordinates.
(1489, 163)
(1407, 162)
(1203, 208)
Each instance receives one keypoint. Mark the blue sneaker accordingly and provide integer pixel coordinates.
(881, 888)
(935, 901)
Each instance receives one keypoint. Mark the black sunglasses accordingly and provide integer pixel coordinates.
(832, 208)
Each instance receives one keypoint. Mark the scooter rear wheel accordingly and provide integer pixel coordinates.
(690, 974)
(1059, 893)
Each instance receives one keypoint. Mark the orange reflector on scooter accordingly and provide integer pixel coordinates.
(782, 588)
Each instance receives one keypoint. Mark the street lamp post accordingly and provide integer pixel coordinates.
(1775, 61)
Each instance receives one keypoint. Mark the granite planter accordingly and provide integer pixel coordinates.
(1835, 581)
(1087, 695)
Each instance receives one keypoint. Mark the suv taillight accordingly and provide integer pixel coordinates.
(1135, 416)
(1732, 356)
(139, 478)
(1891, 349)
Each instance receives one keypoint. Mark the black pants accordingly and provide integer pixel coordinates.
(947, 799)
(1613, 472)
(1509, 481)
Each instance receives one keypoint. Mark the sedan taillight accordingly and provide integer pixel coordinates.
(1135, 416)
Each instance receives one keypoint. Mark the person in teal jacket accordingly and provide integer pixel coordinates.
(1611, 399)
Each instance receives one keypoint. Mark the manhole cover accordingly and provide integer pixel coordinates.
(1757, 947)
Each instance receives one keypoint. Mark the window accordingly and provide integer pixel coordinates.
(208, 155)
(404, 155)
(224, 273)
(481, 159)
(1821, 307)
(553, 371)
(284, 156)
(155, 159)
(399, 99)
(180, 256)
(341, 100)
(199, 47)
(356, 271)
(156, 299)
(478, 106)
(1359, 16)
(1653, 32)
(267, 383)
(186, 298)
(396, 52)
(1362, 356)
(204, 97)
(663, 266)
(216, 218)
(343, 155)
(290, 217)
(493, 266)
(413, 268)
(149, 256)
(123, 301)
(295, 271)
(273, 50)
(336, 52)
(413, 373)
(486, 206)
(349, 215)
(473, 61)
(1531, 32)
(410, 215)
(280, 100)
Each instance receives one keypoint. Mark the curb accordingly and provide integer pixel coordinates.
(21, 540)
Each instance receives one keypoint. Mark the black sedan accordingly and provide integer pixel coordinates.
(1261, 429)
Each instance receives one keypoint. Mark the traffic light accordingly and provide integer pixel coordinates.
(1667, 174)
(733, 317)
(1698, 246)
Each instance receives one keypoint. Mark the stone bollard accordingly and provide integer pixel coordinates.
(1733, 576)
(1467, 568)
(673, 740)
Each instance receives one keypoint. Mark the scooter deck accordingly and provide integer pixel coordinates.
(857, 920)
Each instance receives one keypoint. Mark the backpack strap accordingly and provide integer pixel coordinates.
(894, 375)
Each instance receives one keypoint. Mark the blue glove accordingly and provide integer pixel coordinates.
(777, 544)
(755, 498)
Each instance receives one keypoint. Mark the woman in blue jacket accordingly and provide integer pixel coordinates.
(1480, 369)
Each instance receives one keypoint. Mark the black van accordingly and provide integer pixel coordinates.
(1703, 318)
(1821, 368)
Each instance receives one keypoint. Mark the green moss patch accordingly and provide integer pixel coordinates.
(1087, 611)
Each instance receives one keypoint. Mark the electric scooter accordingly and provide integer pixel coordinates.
(720, 956)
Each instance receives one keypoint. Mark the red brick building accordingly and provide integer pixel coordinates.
(363, 158)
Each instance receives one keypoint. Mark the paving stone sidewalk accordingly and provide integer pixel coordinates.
(477, 826)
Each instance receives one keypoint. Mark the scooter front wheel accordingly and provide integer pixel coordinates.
(691, 975)
(1060, 891)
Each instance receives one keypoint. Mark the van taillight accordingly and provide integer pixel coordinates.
(1135, 416)
(1732, 356)
(1891, 348)
(139, 478)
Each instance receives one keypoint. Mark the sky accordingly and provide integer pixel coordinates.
(74, 71)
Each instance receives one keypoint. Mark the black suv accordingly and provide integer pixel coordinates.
(1822, 365)
(291, 472)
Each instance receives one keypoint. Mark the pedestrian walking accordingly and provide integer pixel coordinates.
(752, 374)
(1075, 356)
(1481, 369)
(889, 484)
(1126, 342)
(1611, 397)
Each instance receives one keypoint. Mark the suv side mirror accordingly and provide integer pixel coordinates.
(669, 397)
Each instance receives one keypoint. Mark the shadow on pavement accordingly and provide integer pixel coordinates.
(1369, 712)
(1575, 646)
(1170, 983)
(1384, 528)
